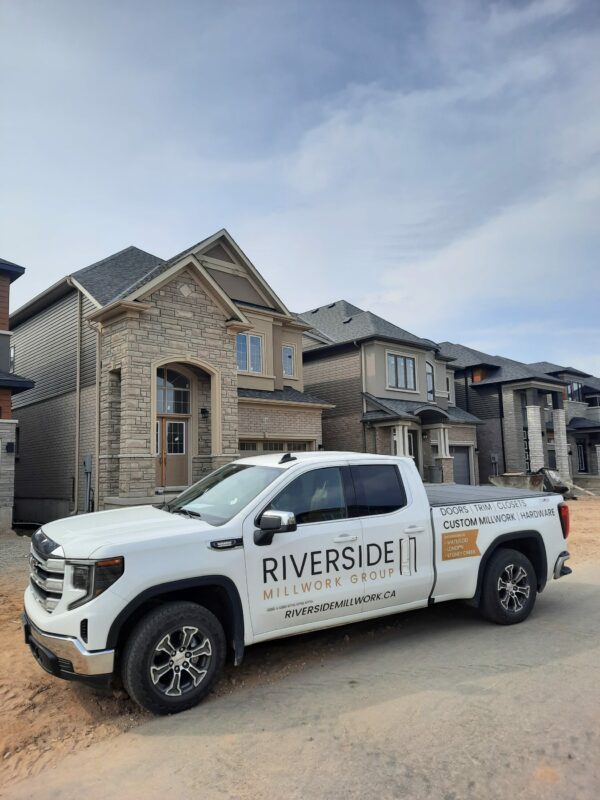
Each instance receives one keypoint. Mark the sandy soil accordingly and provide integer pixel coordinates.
(43, 719)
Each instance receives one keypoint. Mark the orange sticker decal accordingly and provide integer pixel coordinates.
(460, 544)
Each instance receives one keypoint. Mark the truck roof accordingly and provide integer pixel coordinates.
(316, 457)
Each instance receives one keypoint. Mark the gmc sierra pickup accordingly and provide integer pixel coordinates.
(273, 546)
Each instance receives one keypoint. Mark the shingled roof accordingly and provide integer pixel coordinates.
(503, 370)
(343, 322)
(116, 276)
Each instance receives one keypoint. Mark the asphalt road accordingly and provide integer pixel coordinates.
(432, 704)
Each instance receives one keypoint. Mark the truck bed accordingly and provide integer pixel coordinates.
(449, 494)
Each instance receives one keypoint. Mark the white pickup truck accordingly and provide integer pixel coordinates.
(273, 546)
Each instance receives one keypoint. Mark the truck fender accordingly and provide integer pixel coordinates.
(533, 541)
(187, 586)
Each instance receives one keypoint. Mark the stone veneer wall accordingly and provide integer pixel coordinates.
(183, 325)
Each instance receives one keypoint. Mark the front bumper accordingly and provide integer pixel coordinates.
(65, 657)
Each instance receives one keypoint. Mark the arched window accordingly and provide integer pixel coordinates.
(430, 382)
(172, 392)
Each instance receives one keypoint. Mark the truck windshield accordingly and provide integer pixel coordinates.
(217, 498)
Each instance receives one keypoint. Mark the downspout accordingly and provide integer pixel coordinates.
(77, 406)
(364, 403)
(501, 399)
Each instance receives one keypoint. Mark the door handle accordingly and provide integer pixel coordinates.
(414, 529)
(344, 537)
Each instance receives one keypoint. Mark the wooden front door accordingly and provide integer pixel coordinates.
(173, 451)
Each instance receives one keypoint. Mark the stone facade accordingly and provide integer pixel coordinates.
(181, 324)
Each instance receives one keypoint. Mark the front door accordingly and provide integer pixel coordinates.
(173, 451)
(315, 572)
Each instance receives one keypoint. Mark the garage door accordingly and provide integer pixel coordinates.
(462, 466)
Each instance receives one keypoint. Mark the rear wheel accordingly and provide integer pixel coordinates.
(173, 657)
(509, 588)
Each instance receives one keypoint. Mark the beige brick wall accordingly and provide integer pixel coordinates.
(279, 422)
(337, 379)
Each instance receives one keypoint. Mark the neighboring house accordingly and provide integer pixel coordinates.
(151, 373)
(10, 384)
(522, 409)
(393, 392)
(582, 407)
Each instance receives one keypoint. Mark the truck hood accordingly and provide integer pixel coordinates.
(120, 529)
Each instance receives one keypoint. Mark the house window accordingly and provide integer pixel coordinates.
(479, 374)
(11, 367)
(430, 382)
(249, 352)
(575, 392)
(248, 447)
(172, 392)
(287, 355)
(401, 372)
(273, 447)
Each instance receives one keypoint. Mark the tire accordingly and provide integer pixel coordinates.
(509, 588)
(157, 672)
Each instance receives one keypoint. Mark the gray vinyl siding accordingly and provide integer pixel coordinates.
(46, 348)
(46, 351)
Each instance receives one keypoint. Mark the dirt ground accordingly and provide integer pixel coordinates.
(44, 719)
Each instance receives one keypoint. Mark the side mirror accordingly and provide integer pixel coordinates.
(272, 522)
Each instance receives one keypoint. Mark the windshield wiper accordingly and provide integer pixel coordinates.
(186, 513)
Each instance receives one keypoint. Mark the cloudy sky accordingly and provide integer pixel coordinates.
(435, 162)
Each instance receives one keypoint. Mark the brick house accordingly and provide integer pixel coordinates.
(582, 413)
(10, 384)
(523, 412)
(151, 373)
(392, 392)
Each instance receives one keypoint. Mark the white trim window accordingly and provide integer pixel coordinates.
(248, 349)
(401, 372)
(430, 375)
(288, 358)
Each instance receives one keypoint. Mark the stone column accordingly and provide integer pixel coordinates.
(561, 445)
(137, 464)
(598, 458)
(401, 432)
(447, 465)
(7, 473)
(536, 445)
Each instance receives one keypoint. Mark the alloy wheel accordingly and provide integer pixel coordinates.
(513, 588)
(180, 661)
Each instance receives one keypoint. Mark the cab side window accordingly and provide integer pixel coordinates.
(378, 488)
(315, 496)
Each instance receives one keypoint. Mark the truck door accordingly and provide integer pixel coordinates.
(309, 575)
(398, 564)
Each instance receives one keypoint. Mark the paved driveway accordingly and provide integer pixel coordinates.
(433, 704)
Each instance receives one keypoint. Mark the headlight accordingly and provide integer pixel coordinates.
(94, 577)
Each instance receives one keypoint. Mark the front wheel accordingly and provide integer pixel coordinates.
(173, 657)
(509, 588)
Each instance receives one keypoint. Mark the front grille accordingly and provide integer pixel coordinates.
(46, 577)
